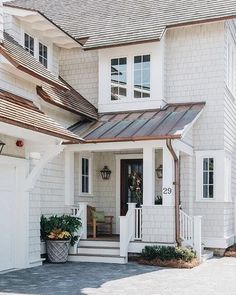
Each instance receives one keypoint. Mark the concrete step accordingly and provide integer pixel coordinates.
(97, 258)
(98, 250)
(207, 254)
(99, 243)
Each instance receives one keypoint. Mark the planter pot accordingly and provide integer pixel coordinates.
(57, 251)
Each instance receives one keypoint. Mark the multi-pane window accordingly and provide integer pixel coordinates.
(85, 176)
(208, 178)
(118, 78)
(29, 44)
(43, 54)
(142, 76)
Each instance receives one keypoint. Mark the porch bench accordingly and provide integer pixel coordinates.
(95, 223)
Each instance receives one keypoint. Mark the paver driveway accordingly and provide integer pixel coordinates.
(214, 277)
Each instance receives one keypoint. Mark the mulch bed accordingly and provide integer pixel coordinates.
(174, 263)
(231, 251)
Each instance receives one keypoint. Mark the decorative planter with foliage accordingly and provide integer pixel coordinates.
(59, 234)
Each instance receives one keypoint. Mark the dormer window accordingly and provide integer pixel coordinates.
(29, 44)
(142, 76)
(118, 78)
(124, 70)
(43, 54)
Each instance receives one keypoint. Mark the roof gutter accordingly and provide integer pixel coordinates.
(177, 190)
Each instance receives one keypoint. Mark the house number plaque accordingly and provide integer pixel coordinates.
(167, 190)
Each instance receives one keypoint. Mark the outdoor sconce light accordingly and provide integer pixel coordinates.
(106, 173)
(2, 144)
(159, 171)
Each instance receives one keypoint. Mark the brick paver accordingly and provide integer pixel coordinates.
(216, 276)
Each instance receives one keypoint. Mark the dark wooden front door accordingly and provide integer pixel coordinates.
(131, 187)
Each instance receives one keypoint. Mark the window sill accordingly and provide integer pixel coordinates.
(86, 195)
(213, 201)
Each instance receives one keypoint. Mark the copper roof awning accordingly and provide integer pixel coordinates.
(169, 122)
(15, 110)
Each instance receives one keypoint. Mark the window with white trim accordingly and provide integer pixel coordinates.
(208, 178)
(29, 43)
(142, 76)
(124, 70)
(43, 54)
(118, 78)
(85, 175)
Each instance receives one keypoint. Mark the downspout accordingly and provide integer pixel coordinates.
(177, 190)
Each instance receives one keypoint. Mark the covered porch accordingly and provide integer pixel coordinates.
(150, 145)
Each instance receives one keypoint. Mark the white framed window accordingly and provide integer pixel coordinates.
(208, 178)
(43, 54)
(118, 78)
(141, 81)
(29, 43)
(213, 176)
(37, 48)
(85, 174)
(121, 77)
(231, 66)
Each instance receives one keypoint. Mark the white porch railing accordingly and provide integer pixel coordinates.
(138, 224)
(190, 231)
(81, 212)
(130, 228)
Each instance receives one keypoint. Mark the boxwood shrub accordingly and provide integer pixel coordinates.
(167, 253)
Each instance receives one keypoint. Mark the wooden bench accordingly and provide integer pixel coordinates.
(94, 224)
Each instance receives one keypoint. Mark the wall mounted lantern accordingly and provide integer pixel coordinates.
(106, 173)
(159, 171)
(2, 144)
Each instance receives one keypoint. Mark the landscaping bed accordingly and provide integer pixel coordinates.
(167, 256)
(231, 251)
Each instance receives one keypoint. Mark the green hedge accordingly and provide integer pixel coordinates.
(167, 253)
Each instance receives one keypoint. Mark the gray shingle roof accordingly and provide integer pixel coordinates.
(109, 22)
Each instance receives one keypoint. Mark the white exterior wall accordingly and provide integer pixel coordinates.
(158, 224)
(10, 149)
(80, 69)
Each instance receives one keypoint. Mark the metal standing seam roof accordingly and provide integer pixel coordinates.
(169, 122)
(69, 100)
(25, 62)
(15, 110)
(102, 23)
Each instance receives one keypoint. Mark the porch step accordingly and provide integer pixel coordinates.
(97, 258)
(99, 243)
(98, 250)
(207, 254)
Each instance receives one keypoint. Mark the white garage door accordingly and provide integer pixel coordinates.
(7, 215)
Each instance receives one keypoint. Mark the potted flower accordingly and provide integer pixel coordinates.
(59, 232)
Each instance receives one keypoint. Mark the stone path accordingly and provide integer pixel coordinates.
(214, 277)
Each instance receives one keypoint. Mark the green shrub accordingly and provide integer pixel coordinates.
(167, 253)
(65, 223)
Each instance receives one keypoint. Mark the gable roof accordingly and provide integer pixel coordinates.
(170, 122)
(24, 61)
(112, 23)
(69, 100)
(15, 110)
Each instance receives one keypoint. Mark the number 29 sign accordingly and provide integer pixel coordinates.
(167, 190)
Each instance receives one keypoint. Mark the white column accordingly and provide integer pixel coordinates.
(168, 189)
(131, 208)
(148, 176)
(69, 178)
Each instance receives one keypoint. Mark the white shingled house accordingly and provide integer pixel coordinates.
(128, 111)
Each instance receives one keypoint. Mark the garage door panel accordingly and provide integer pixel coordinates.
(7, 214)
